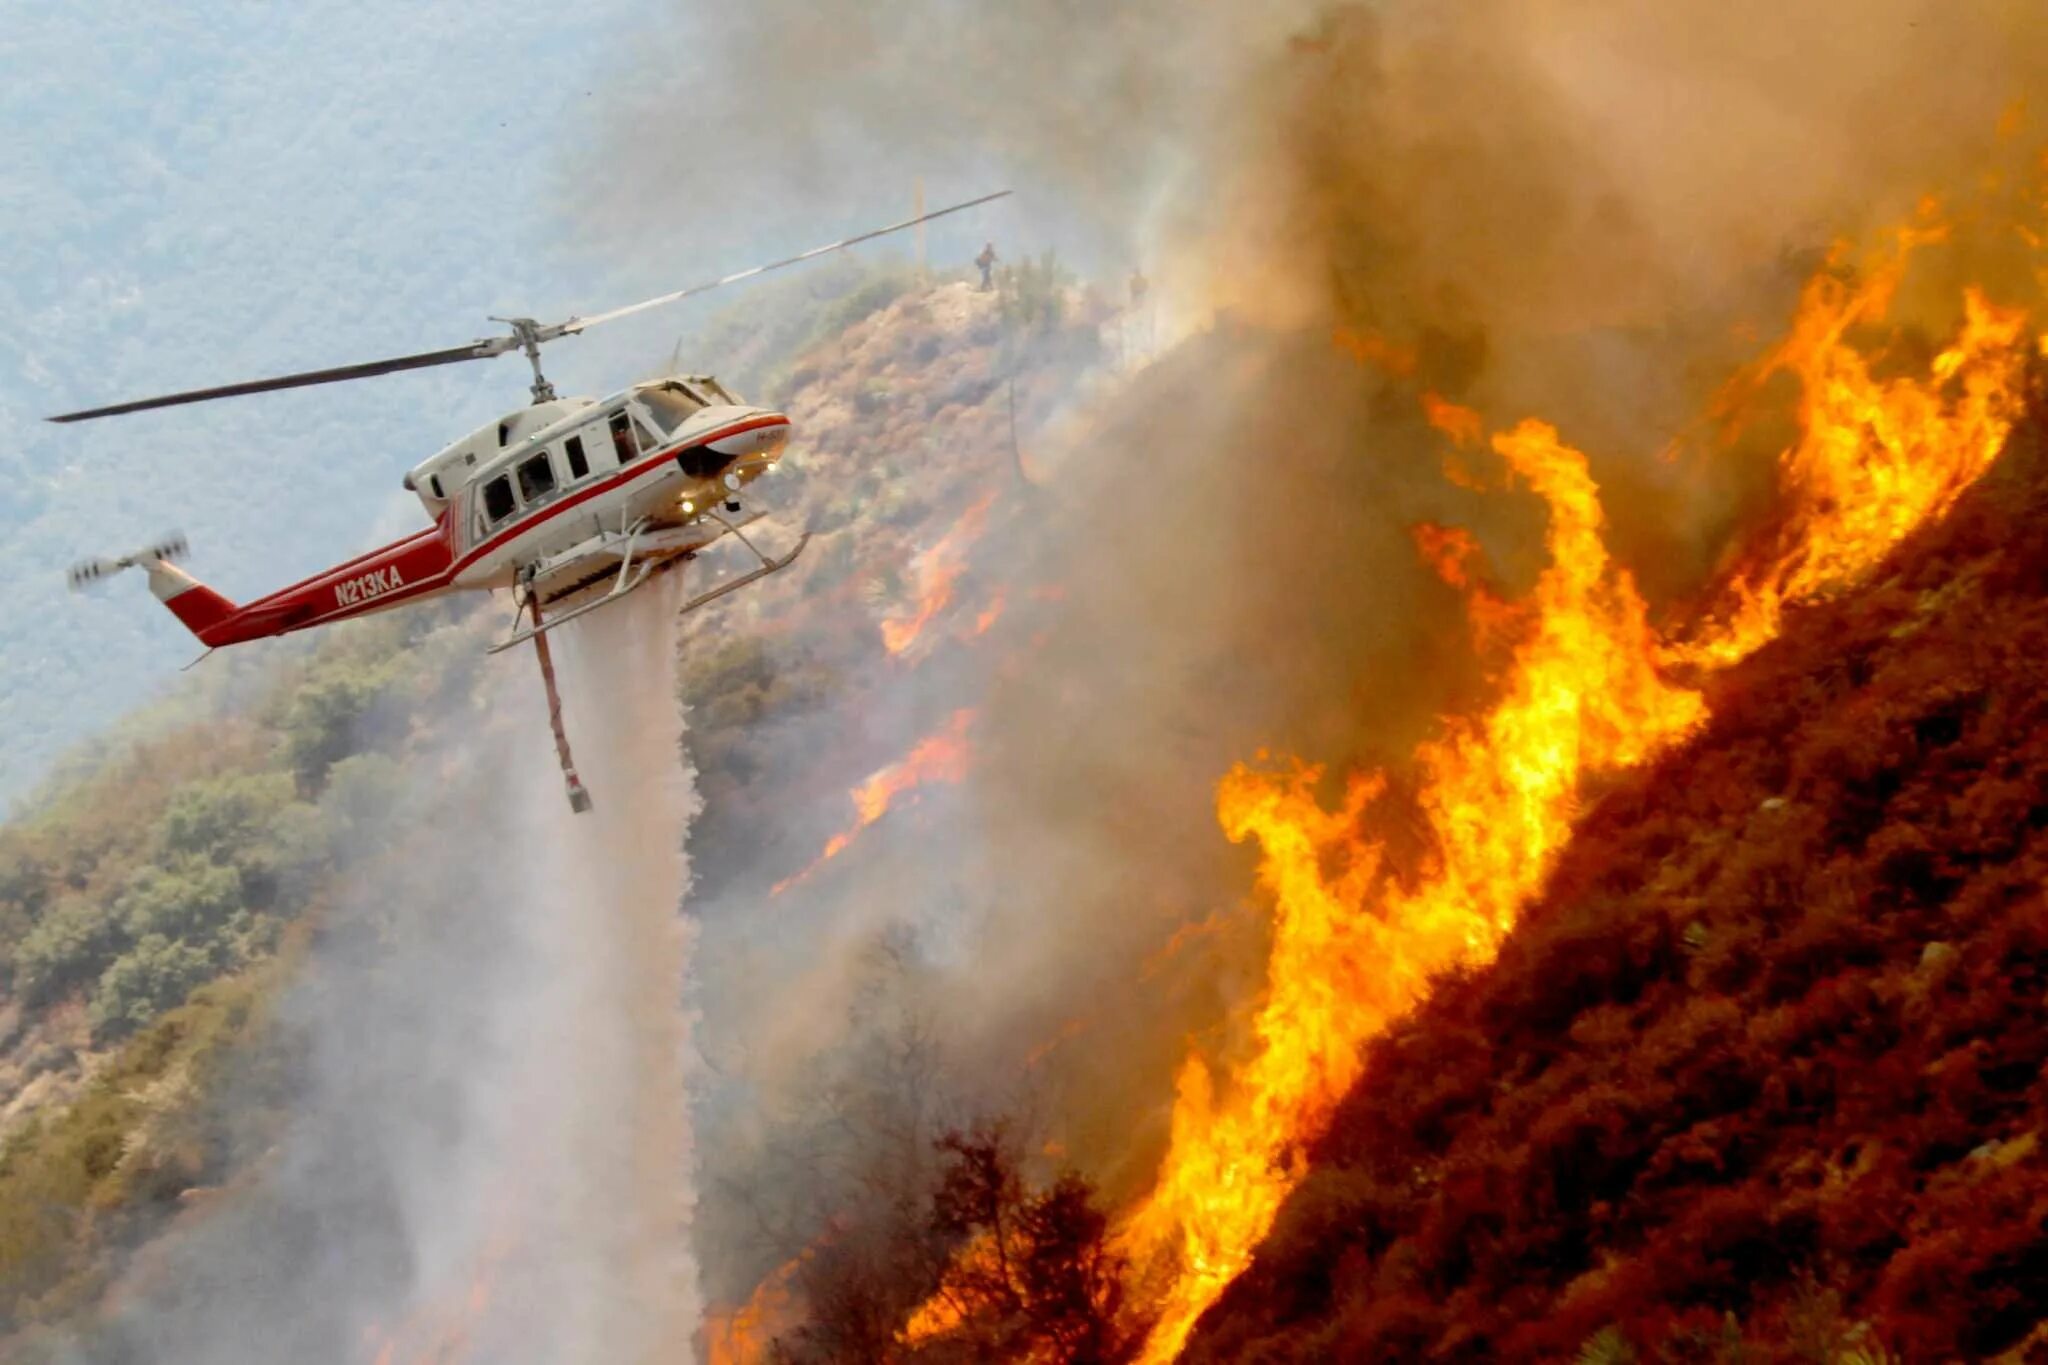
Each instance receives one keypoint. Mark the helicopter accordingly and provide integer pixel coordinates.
(570, 503)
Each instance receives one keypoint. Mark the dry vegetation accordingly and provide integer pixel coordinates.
(1761, 1077)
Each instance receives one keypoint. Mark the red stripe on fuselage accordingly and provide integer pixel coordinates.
(625, 475)
(293, 608)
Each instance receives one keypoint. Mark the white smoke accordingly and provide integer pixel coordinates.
(488, 1151)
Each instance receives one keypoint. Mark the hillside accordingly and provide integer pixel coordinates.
(1761, 1074)
(180, 900)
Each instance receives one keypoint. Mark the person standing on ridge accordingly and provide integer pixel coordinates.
(987, 261)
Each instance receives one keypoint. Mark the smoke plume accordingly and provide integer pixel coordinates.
(488, 1155)
(1582, 211)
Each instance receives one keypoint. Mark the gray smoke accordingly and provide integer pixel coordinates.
(1571, 209)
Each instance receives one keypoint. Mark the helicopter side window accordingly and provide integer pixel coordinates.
(622, 438)
(536, 479)
(578, 465)
(498, 502)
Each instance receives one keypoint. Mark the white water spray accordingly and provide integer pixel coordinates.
(487, 1157)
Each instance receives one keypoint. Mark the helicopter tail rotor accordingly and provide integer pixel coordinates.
(86, 572)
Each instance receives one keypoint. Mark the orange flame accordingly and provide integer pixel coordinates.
(1454, 555)
(438, 1332)
(939, 757)
(1450, 551)
(1875, 458)
(744, 1335)
(936, 570)
(1353, 950)
(1370, 348)
(1464, 426)
(990, 614)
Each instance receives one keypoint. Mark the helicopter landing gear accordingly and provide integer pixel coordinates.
(767, 566)
(579, 797)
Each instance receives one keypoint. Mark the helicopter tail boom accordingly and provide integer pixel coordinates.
(198, 608)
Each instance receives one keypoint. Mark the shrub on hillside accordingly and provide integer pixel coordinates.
(153, 976)
(68, 947)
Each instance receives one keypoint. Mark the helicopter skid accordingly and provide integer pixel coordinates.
(768, 566)
(642, 556)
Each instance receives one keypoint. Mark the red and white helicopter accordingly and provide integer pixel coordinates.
(572, 503)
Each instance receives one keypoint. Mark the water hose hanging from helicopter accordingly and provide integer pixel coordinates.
(579, 798)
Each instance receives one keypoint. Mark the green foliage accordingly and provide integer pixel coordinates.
(148, 979)
(883, 287)
(319, 727)
(141, 1133)
(223, 815)
(363, 792)
(68, 947)
(184, 899)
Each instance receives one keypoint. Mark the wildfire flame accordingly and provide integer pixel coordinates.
(1464, 426)
(937, 569)
(1352, 949)
(1355, 942)
(439, 1331)
(989, 615)
(1876, 458)
(744, 1335)
(939, 757)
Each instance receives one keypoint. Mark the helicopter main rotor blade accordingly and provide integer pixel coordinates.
(475, 350)
(527, 335)
(575, 325)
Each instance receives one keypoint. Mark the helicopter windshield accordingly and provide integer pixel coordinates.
(671, 405)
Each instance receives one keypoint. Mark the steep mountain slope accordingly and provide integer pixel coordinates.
(1761, 1075)
(171, 898)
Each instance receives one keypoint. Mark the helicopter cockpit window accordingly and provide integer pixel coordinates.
(536, 478)
(622, 437)
(714, 390)
(578, 464)
(670, 405)
(498, 502)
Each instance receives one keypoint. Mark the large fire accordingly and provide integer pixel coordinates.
(1882, 447)
(1353, 949)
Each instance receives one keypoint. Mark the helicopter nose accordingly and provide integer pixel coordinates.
(763, 435)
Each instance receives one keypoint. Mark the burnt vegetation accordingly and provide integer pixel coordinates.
(1761, 1077)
